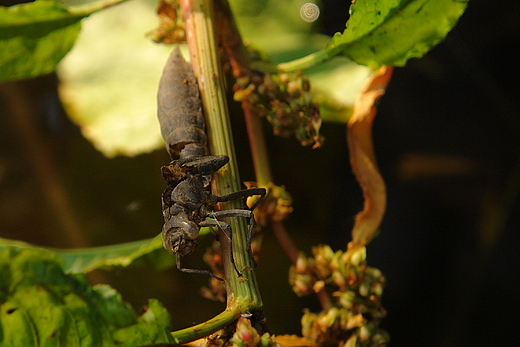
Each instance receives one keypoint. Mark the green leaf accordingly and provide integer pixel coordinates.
(40, 305)
(149, 329)
(149, 252)
(35, 36)
(389, 32)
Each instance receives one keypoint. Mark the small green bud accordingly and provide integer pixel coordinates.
(352, 275)
(364, 333)
(336, 262)
(346, 299)
(308, 321)
(245, 335)
(267, 340)
(355, 322)
(339, 279)
(302, 264)
(327, 252)
(364, 289)
(318, 286)
(351, 342)
(376, 273)
(358, 256)
(377, 289)
(329, 318)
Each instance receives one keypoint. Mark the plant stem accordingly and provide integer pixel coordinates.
(230, 39)
(201, 330)
(288, 245)
(242, 291)
(306, 62)
(86, 9)
(233, 44)
(228, 33)
(258, 148)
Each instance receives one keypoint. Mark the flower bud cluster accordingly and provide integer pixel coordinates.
(247, 336)
(353, 319)
(340, 327)
(285, 99)
(171, 23)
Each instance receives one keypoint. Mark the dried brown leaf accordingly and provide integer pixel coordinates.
(363, 161)
(295, 341)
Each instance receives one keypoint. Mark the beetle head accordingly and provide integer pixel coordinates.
(180, 237)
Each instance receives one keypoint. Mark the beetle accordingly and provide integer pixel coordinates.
(188, 204)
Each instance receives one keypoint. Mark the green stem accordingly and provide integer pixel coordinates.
(87, 9)
(231, 40)
(306, 62)
(242, 291)
(206, 328)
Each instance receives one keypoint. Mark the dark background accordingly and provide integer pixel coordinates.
(447, 140)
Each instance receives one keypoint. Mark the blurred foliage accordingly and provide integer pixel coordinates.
(109, 80)
(34, 37)
(43, 306)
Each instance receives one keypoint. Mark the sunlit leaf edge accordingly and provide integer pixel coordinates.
(410, 30)
(84, 260)
(148, 252)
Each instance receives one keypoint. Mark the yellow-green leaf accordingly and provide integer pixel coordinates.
(110, 79)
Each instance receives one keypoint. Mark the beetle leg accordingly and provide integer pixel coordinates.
(193, 271)
(227, 231)
(243, 194)
(251, 222)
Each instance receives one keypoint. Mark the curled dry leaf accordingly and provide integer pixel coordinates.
(363, 161)
(295, 341)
